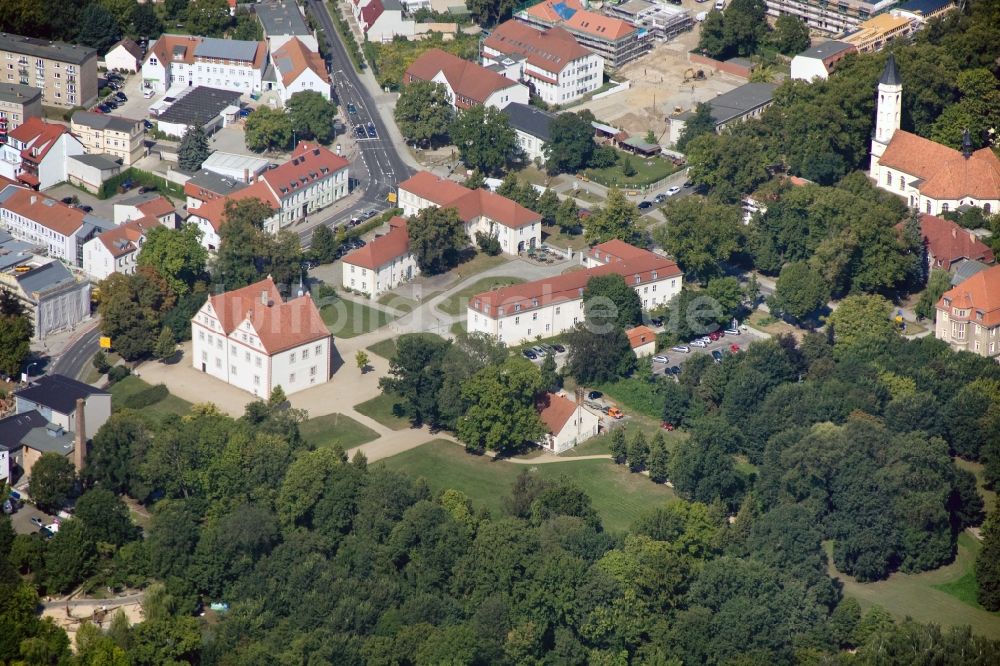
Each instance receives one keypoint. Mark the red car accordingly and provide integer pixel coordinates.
(715, 335)
(667, 426)
(734, 348)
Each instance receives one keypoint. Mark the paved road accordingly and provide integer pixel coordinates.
(77, 354)
(380, 166)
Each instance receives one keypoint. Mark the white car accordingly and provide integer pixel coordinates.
(660, 359)
(148, 94)
(698, 343)
(673, 190)
(683, 349)
(732, 331)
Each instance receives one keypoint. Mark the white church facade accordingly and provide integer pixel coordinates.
(931, 177)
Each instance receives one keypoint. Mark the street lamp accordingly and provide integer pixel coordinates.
(27, 371)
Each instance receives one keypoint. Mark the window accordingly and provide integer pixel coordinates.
(201, 335)
(204, 357)
(319, 349)
(256, 380)
(312, 371)
(233, 351)
(257, 361)
(557, 310)
(517, 320)
(987, 209)
(944, 208)
(534, 316)
(291, 357)
(888, 179)
(928, 206)
(232, 369)
(305, 354)
(291, 378)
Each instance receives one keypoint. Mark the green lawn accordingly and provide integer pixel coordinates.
(989, 496)
(132, 385)
(387, 348)
(456, 302)
(618, 496)
(90, 373)
(394, 300)
(345, 318)
(648, 170)
(380, 409)
(459, 327)
(333, 429)
(478, 263)
(555, 237)
(945, 596)
(634, 395)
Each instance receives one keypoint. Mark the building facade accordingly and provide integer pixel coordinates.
(930, 177)
(968, 315)
(615, 40)
(467, 83)
(125, 56)
(522, 312)
(297, 69)
(382, 20)
(739, 104)
(65, 73)
(567, 422)
(53, 298)
(385, 262)
(819, 61)
(58, 229)
(37, 152)
(251, 339)
(116, 250)
(826, 17)
(551, 62)
(223, 64)
(102, 134)
(17, 104)
(873, 34)
(533, 127)
(281, 20)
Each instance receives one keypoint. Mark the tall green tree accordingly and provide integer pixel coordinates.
(177, 255)
(988, 564)
(791, 35)
(105, 517)
(488, 13)
(571, 142)
(145, 23)
(209, 18)
(800, 293)
(485, 139)
(166, 345)
(311, 115)
(938, 282)
(323, 246)
(116, 451)
(616, 219)
(424, 113)
(638, 452)
(415, 376)
(609, 299)
(598, 354)
(193, 150)
(700, 235)
(619, 446)
(131, 309)
(248, 252)
(698, 124)
(659, 460)
(268, 129)
(502, 415)
(861, 324)
(15, 343)
(70, 557)
(437, 236)
(98, 28)
(52, 481)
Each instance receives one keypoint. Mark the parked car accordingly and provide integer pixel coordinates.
(717, 355)
(103, 108)
(69, 201)
(595, 395)
(351, 109)
(643, 205)
(538, 349)
(666, 425)
(687, 184)
(147, 124)
(86, 209)
(674, 370)
(660, 359)
(559, 348)
(698, 343)
(529, 354)
(673, 190)
(245, 112)
(111, 102)
(715, 335)
(683, 349)
(148, 93)
(615, 413)
(121, 96)
(656, 321)
(45, 533)
(372, 134)
(705, 339)
(660, 198)
(370, 214)
(37, 522)
(734, 348)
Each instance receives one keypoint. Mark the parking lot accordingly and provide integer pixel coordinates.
(22, 519)
(677, 359)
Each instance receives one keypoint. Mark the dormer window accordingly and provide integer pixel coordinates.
(638, 279)
(979, 315)
(534, 302)
(517, 308)
(947, 302)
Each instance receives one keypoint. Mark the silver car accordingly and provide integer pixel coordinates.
(683, 349)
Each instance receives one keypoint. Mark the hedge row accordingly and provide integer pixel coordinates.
(139, 177)
(347, 37)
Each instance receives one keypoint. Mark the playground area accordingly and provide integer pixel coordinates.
(70, 614)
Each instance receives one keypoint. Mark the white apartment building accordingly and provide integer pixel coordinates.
(533, 128)
(383, 263)
(551, 61)
(188, 60)
(147, 204)
(567, 423)
(116, 250)
(60, 229)
(522, 312)
(36, 153)
(467, 83)
(830, 18)
(515, 227)
(297, 69)
(251, 339)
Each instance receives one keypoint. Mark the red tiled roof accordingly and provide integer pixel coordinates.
(384, 249)
(946, 173)
(582, 20)
(616, 250)
(215, 210)
(979, 293)
(163, 48)
(39, 135)
(300, 59)
(552, 50)
(426, 185)
(371, 12)
(279, 325)
(947, 242)
(157, 207)
(55, 215)
(131, 47)
(467, 79)
(469, 204)
(640, 335)
(569, 286)
(308, 163)
(125, 237)
(555, 411)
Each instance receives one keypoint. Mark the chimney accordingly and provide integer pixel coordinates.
(954, 232)
(966, 144)
(34, 199)
(246, 175)
(80, 447)
(263, 298)
(579, 396)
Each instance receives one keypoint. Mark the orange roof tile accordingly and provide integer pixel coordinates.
(125, 237)
(299, 59)
(582, 20)
(157, 207)
(164, 47)
(469, 204)
(279, 325)
(39, 135)
(309, 162)
(616, 250)
(979, 294)
(946, 173)
(380, 251)
(947, 242)
(426, 185)
(640, 335)
(55, 215)
(555, 411)
(552, 50)
(214, 211)
(467, 79)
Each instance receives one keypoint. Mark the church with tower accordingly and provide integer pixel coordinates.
(931, 177)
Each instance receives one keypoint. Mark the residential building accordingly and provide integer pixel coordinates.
(47, 223)
(209, 184)
(963, 269)
(36, 153)
(13, 430)
(968, 316)
(311, 180)
(91, 171)
(146, 204)
(103, 134)
(873, 34)
(930, 177)
(65, 73)
(747, 101)
(550, 62)
(921, 11)
(53, 298)
(533, 128)
(948, 244)
(818, 62)
(515, 227)
(54, 397)
(662, 21)
(567, 422)
(467, 83)
(124, 56)
(208, 108)
(613, 39)
(297, 69)
(232, 166)
(385, 262)
(251, 339)
(382, 20)
(826, 17)
(642, 339)
(116, 250)
(281, 21)
(17, 104)
(554, 305)
(189, 60)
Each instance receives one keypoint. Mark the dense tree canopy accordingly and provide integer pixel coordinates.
(571, 142)
(485, 139)
(424, 113)
(437, 236)
(311, 115)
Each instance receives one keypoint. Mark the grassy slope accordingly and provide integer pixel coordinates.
(380, 409)
(132, 385)
(346, 319)
(618, 496)
(336, 429)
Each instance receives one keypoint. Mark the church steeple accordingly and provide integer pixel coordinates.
(889, 108)
(890, 73)
(966, 144)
